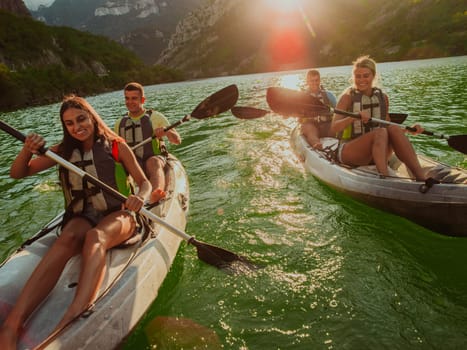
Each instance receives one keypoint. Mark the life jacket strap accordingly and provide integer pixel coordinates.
(370, 105)
(83, 163)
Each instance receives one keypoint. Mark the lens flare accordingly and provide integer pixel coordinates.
(290, 35)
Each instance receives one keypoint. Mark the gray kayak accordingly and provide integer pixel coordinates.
(134, 275)
(442, 208)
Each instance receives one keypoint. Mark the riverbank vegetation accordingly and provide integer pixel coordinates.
(40, 64)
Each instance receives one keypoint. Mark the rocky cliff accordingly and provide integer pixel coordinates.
(14, 6)
(197, 38)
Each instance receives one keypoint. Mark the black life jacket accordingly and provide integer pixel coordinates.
(135, 131)
(102, 162)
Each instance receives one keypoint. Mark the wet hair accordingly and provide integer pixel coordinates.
(101, 130)
(133, 86)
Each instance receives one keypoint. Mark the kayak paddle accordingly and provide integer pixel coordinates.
(213, 105)
(299, 104)
(398, 118)
(218, 257)
(244, 112)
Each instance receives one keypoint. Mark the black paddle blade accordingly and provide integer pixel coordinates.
(458, 142)
(294, 103)
(398, 118)
(248, 112)
(217, 103)
(222, 258)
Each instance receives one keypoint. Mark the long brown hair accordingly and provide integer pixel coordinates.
(101, 130)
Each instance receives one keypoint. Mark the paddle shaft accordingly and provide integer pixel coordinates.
(385, 122)
(174, 125)
(245, 112)
(44, 150)
(299, 104)
(216, 103)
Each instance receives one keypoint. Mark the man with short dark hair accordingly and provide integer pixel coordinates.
(140, 124)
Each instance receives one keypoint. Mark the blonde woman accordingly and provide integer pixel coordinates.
(362, 143)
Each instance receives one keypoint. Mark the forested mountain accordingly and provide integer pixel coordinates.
(216, 37)
(143, 26)
(243, 36)
(39, 64)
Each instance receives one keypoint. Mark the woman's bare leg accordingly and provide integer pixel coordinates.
(372, 146)
(43, 280)
(111, 231)
(405, 151)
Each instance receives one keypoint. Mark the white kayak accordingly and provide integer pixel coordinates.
(133, 277)
(442, 208)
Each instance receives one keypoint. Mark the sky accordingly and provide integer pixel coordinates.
(34, 4)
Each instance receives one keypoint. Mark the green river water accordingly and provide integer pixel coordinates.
(337, 274)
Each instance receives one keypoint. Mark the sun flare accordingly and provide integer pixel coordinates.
(290, 34)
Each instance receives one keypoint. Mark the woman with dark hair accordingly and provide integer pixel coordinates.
(362, 143)
(94, 221)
